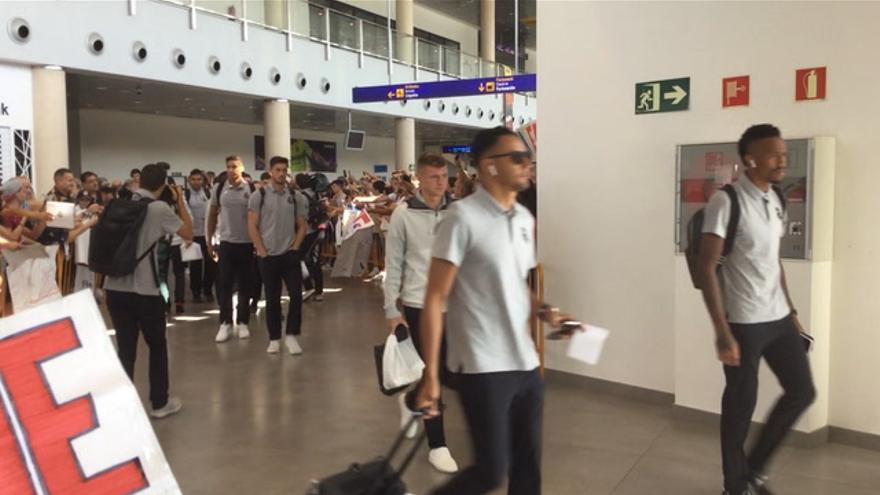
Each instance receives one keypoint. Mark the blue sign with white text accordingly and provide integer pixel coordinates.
(442, 89)
(457, 149)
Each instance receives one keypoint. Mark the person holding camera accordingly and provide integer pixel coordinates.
(751, 310)
(134, 301)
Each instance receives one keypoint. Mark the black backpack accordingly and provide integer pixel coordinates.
(317, 216)
(114, 239)
(695, 232)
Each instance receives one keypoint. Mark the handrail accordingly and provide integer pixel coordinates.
(442, 67)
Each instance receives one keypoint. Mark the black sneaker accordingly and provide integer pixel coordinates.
(178, 307)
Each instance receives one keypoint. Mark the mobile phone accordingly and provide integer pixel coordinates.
(566, 330)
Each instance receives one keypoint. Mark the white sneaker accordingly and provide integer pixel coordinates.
(224, 333)
(405, 417)
(173, 406)
(442, 460)
(243, 332)
(307, 294)
(292, 345)
(274, 346)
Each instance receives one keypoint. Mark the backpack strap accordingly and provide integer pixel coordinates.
(262, 197)
(733, 222)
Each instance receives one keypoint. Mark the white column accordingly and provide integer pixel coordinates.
(405, 26)
(276, 127)
(404, 143)
(50, 127)
(487, 30)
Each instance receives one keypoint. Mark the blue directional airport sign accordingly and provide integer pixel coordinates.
(443, 89)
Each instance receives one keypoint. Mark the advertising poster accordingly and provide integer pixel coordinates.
(306, 155)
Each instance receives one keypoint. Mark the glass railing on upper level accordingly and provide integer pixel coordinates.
(306, 20)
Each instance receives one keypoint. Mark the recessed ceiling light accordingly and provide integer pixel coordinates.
(137, 102)
(101, 88)
(53, 67)
(203, 109)
(187, 99)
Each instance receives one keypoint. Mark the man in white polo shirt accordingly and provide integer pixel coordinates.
(483, 251)
(277, 225)
(752, 312)
(229, 204)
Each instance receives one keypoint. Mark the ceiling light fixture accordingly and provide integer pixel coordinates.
(53, 67)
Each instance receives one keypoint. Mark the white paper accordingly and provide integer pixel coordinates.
(79, 367)
(15, 257)
(191, 253)
(63, 213)
(82, 247)
(587, 345)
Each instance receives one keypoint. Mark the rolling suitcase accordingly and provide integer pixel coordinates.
(376, 477)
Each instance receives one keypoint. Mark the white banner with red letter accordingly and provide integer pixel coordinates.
(70, 419)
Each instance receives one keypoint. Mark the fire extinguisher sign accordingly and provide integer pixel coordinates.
(810, 84)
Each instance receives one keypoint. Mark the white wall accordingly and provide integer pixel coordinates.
(115, 142)
(617, 170)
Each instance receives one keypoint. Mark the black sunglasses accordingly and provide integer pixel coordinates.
(518, 157)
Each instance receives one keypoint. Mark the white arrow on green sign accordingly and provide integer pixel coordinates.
(670, 95)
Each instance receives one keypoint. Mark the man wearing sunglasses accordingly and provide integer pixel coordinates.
(483, 251)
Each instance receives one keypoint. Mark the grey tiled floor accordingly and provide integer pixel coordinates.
(264, 425)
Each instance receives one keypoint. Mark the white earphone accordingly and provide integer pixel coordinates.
(752, 163)
(493, 171)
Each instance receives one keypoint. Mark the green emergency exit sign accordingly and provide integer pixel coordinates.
(670, 95)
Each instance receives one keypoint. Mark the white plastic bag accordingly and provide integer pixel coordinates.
(401, 364)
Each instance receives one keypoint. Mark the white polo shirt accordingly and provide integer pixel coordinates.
(488, 310)
(751, 275)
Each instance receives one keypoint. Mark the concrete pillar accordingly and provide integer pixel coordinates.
(276, 127)
(487, 30)
(50, 127)
(404, 143)
(405, 26)
(276, 13)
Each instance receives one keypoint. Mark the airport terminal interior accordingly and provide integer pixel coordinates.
(675, 293)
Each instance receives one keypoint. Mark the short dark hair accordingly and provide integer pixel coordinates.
(85, 176)
(153, 177)
(431, 160)
(275, 160)
(211, 173)
(61, 172)
(196, 171)
(165, 165)
(379, 186)
(232, 158)
(134, 171)
(756, 133)
(486, 139)
(265, 176)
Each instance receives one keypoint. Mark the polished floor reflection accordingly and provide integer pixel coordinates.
(259, 424)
